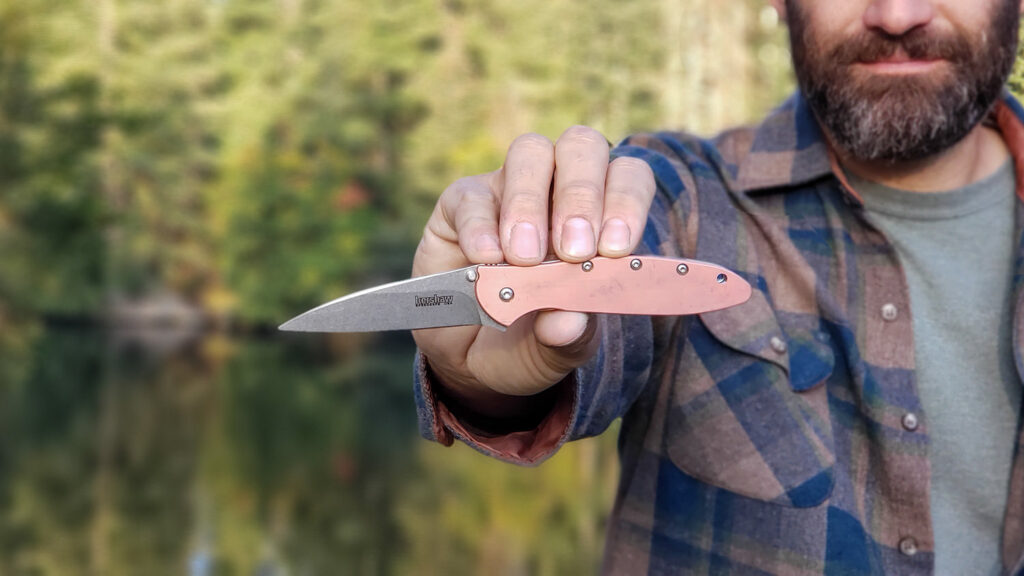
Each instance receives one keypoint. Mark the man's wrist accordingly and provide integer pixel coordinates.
(489, 413)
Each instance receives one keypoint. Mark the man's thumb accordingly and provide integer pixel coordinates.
(568, 337)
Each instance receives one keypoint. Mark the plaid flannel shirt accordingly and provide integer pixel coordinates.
(767, 438)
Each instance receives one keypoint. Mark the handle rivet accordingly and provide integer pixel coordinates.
(721, 278)
(471, 275)
(506, 294)
(682, 269)
(588, 266)
(635, 263)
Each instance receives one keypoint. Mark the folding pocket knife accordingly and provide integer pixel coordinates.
(496, 295)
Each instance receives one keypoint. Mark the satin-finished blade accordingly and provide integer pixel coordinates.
(445, 299)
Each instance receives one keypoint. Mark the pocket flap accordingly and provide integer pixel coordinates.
(740, 421)
(801, 351)
(749, 328)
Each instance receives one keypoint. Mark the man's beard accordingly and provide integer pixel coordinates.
(903, 117)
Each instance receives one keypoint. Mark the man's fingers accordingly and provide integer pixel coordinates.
(524, 200)
(476, 222)
(505, 216)
(462, 230)
(629, 189)
(581, 163)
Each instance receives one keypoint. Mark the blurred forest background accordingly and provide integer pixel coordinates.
(179, 177)
(249, 159)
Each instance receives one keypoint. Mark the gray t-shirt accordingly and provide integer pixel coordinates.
(957, 250)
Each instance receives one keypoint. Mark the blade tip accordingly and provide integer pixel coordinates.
(289, 326)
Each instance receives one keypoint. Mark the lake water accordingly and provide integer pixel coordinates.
(151, 452)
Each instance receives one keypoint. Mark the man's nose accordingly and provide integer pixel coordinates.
(897, 17)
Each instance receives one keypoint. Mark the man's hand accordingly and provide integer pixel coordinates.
(595, 207)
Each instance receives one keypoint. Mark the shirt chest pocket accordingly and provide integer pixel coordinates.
(748, 409)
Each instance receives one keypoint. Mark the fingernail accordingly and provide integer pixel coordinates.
(525, 241)
(615, 236)
(488, 243)
(577, 238)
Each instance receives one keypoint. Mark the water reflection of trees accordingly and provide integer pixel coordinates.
(264, 455)
(99, 444)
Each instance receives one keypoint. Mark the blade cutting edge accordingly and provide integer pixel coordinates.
(435, 301)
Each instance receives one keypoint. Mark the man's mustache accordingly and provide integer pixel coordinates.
(917, 44)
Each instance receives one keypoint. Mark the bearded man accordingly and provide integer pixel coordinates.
(860, 413)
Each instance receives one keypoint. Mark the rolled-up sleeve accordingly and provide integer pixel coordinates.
(585, 403)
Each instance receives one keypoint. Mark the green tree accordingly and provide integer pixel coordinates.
(162, 91)
(312, 200)
(51, 216)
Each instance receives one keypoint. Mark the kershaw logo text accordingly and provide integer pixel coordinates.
(434, 300)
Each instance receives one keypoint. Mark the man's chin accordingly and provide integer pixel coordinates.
(891, 119)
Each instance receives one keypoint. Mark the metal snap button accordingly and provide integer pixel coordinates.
(908, 546)
(778, 345)
(910, 422)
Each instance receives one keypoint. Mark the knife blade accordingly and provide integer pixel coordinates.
(496, 295)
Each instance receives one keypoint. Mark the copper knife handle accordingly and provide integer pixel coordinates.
(646, 285)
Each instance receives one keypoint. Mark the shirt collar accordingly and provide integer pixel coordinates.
(789, 149)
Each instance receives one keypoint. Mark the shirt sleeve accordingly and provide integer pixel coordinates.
(584, 404)
(589, 399)
(440, 422)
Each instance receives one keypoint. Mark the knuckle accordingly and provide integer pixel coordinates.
(475, 196)
(631, 190)
(584, 135)
(451, 191)
(474, 221)
(460, 187)
(628, 163)
(470, 223)
(581, 191)
(532, 142)
(432, 243)
(522, 203)
(522, 175)
(631, 175)
(628, 197)
(522, 206)
(626, 206)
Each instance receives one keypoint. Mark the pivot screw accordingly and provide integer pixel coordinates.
(635, 264)
(587, 266)
(471, 275)
(506, 294)
(682, 269)
(721, 278)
